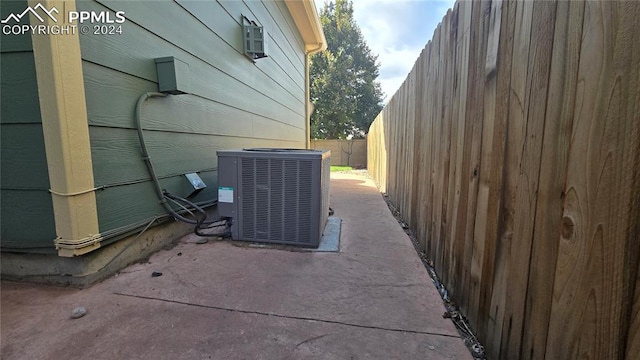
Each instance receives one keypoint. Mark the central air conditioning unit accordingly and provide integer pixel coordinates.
(276, 196)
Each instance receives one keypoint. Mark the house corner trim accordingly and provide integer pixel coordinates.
(66, 133)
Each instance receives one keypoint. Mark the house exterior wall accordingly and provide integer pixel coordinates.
(233, 102)
(27, 221)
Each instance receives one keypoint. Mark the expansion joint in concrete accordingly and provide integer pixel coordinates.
(288, 316)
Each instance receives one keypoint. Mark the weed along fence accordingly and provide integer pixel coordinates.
(513, 151)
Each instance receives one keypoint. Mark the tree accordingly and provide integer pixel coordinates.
(344, 90)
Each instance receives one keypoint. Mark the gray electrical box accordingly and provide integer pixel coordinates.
(173, 75)
(253, 39)
(275, 195)
(196, 183)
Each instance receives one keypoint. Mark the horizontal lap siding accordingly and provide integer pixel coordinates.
(27, 212)
(233, 102)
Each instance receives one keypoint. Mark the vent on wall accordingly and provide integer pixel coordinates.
(253, 39)
(254, 42)
(275, 195)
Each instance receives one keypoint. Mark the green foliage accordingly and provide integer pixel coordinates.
(341, 168)
(344, 89)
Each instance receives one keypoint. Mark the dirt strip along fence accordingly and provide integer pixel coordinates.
(512, 150)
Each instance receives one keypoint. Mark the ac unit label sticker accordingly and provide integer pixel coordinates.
(225, 194)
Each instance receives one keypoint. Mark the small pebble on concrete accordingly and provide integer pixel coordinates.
(156, 274)
(78, 312)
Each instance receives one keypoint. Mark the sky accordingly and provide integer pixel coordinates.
(397, 31)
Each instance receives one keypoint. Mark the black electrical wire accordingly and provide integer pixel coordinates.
(203, 220)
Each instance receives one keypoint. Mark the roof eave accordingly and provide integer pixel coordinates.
(307, 21)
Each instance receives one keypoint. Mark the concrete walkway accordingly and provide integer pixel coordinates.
(372, 300)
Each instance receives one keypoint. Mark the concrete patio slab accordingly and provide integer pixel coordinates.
(221, 300)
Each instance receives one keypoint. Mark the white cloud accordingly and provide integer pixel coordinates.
(395, 65)
(398, 30)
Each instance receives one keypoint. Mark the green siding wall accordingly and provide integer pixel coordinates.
(233, 102)
(27, 212)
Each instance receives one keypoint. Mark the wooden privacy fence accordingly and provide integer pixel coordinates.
(512, 150)
(344, 152)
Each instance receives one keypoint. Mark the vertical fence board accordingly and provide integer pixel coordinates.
(414, 219)
(436, 156)
(557, 132)
(401, 145)
(513, 153)
(490, 175)
(453, 197)
(410, 148)
(425, 172)
(424, 149)
(447, 91)
(497, 296)
(391, 155)
(470, 160)
(453, 194)
(633, 106)
(463, 158)
(633, 340)
(538, 70)
(433, 66)
(526, 123)
(475, 114)
(592, 298)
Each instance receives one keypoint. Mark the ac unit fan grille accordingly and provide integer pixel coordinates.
(276, 200)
